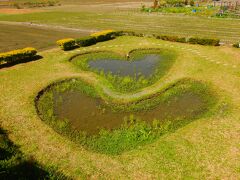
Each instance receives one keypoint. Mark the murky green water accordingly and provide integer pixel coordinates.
(145, 66)
(87, 114)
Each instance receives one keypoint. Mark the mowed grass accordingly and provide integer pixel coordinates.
(99, 16)
(21, 36)
(205, 149)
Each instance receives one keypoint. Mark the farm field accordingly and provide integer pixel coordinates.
(24, 35)
(123, 17)
(118, 106)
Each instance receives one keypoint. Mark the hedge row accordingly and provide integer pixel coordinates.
(86, 41)
(236, 45)
(204, 41)
(172, 38)
(68, 44)
(192, 40)
(17, 55)
(104, 35)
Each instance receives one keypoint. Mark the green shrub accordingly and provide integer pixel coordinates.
(67, 44)
(236, 45)
(105, 35)
(17, 55)
(193, 40)
(172, 38)
(204, 41)
(191, 3)
(86, 41)
(39, 3)
(181, 40)
(175, 3)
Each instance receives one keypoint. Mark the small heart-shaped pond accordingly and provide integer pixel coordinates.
(145, 66)
(136, 64)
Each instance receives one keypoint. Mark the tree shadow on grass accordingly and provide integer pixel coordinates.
(7, 65)
(14, 165)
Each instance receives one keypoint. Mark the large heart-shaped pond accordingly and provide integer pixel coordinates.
(72, 101)
(90, 115)
(76, 109)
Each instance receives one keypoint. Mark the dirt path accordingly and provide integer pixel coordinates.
(18, 11)
(48, 27)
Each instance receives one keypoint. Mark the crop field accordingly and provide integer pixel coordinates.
(20, 36)
(120, 17)
(118, 104)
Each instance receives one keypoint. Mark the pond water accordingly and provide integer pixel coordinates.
(87, 114)
(145, 66)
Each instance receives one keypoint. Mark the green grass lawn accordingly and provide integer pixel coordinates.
(205, 148)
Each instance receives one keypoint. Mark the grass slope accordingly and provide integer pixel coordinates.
(206, 148)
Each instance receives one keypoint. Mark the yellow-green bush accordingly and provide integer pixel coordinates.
(105, 32)
(17, 55)
(105, 35)
(67, 44)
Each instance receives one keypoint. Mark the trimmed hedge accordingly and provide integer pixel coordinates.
(201, 41)
(172, 38)
(204, 41)
(105, 35)
(70, 43)
(17, 55)
(236, 45)
(86, 41)
(67, 44)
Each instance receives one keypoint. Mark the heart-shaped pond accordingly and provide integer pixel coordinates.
(141, 69)
(91, 115)
(72, 107)
(139, 62)
(144, 66)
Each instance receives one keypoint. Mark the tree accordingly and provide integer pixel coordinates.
(155, 4)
